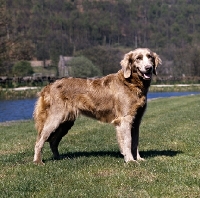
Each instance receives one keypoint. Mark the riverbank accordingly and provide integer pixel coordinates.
(19, 93)
(31, 92)
(13, 122)
(175, 88)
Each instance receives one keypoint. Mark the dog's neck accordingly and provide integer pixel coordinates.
(136, 81)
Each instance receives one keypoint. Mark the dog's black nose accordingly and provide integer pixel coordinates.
(148, 67)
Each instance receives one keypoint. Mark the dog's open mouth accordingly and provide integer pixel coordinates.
(146, 75)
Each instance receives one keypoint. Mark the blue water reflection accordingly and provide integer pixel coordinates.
(169, 94)
(16, 109)
(23, 109)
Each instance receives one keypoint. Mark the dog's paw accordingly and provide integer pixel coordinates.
(37, 162)
(140, 159)
(131, 162)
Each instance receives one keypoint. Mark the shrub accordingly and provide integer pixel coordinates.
(107, 60)
(82, 67)
(22, 68)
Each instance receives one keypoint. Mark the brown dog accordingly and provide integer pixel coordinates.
(118, 98)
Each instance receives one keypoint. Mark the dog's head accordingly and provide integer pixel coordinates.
(141, 60)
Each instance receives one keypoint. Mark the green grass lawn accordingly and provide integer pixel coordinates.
(91, 165)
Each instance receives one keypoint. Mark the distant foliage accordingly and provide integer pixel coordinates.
(82, 67)
(106, 59)
(47, 29)
(22, 68)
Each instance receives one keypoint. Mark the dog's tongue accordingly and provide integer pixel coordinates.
(147, 76)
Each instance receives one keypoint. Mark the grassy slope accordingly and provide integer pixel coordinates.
(91, 165)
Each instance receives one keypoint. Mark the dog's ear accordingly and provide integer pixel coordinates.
(126, 64)
(157, 61)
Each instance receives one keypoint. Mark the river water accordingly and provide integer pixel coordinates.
(23, 109)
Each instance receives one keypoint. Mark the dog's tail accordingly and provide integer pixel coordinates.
(41, 109)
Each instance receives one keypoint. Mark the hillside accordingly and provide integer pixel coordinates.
(46, 29)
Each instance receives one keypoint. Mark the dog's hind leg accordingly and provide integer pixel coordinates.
(56, 137)
(50, 126)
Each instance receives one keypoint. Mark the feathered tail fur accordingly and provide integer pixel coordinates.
(41, 109)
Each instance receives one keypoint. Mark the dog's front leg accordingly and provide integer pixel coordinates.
(124, 138)
(127, 145)
(135, 141)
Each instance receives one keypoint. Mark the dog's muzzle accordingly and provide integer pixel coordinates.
(147, 73)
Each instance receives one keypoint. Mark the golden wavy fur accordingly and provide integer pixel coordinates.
(118, 98)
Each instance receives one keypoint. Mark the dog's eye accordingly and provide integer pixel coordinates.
(149, 56)
(139, 57)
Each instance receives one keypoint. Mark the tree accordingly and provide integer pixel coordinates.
(4, 36)
(22, 68)
(195, 62)
(22, 49)
(107, 59)
(82, 67)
